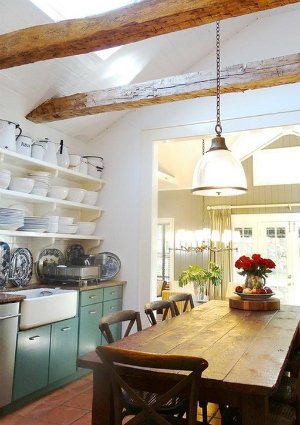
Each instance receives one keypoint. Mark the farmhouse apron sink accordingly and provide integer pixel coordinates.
(46, 305)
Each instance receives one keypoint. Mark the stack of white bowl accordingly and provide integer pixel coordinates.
(76, 194)
(21, 184)
(4, 179)
(66, 225)
(41, 182)
(57, 224)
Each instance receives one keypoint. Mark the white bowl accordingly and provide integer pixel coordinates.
(75, 194)
(65, 220)
(86, 227)
(21, 184)
(90, 197)
(58, 192)
(67, 228)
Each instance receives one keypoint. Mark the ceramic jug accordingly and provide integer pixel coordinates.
(50, 150)
(62, 155)
(24, 144)
(8, 134)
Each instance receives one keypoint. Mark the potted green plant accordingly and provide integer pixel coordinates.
(199, 277)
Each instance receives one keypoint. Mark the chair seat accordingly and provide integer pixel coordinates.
(175, 406)
(281, 414)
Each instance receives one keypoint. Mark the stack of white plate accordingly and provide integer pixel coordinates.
(52, 223)
(11, 219)
(35, 224)
(41, 182)
(4, 178)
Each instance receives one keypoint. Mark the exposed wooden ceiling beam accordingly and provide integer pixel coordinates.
(122, 26)
(265, 73)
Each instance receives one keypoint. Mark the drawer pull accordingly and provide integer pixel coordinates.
(92, 312)
(91, 297)
(112, 307)
(33, 338)
(112, 292)
(67, 328)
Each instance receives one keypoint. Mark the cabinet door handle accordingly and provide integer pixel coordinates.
(67, 328)
(32, 338)
(92, 312)
(91, 297)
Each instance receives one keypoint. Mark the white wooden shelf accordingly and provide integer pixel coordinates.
(13, 159)
(36, 199)
(19, 233)
(21, 164)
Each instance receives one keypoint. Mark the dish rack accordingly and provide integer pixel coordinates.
(60, 273)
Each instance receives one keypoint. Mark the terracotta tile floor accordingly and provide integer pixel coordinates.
(70, 404)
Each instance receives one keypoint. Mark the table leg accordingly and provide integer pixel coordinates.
(102, 412)
(255, 409)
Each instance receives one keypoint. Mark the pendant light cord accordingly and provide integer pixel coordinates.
(218, 127)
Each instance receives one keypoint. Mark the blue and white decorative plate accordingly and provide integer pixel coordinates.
(48, 257)
(21, 267)
(4, 263)
(110, 265)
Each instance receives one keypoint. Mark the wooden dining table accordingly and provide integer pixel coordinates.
(246, 350)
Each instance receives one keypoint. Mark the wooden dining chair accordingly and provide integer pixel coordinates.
(162, 306)
(185, 299)
(138, 373)
(119, 317)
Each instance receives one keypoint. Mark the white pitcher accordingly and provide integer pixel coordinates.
(8, 134)
(62, 155)
(49, 149)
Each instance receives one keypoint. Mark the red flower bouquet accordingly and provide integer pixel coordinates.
(256, 265)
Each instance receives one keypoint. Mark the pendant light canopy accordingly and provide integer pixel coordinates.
(219, 172)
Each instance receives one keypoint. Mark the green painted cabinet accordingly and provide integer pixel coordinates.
(45, 355)
(63, 349)
(93, 305)
(113, 302)
(89, 333)
(32, 360)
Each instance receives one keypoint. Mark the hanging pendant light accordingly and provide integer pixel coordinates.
(219, 172)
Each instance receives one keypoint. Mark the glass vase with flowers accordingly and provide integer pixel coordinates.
(256, 270)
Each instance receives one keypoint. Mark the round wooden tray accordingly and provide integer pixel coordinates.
(269, 304)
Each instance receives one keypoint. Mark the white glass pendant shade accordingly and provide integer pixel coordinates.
(219, 173)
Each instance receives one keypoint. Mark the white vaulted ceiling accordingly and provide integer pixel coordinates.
(24, 87)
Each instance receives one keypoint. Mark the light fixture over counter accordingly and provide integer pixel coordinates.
(219, 172)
